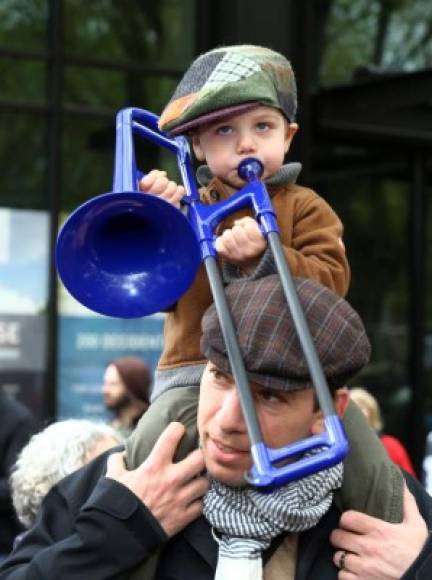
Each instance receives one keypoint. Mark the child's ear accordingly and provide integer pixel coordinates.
(290, 130)
(341, 400)
(196, 145)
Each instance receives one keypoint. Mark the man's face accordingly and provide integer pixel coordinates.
(114, 391)
(284, 417)
(262, 133)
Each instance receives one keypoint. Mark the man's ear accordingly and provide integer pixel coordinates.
(196, 145)
(290, 130)
(340, 400)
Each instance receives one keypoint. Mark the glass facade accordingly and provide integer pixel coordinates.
(377, 35)
(67, 67)
(377, 181)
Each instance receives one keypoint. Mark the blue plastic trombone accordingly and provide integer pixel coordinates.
(130, 254)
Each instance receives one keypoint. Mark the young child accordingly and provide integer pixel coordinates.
(237, 102)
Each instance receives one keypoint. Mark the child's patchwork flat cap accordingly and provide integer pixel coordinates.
(229, 80)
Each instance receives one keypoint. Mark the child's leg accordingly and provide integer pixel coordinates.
(179, 404)
(379, 490)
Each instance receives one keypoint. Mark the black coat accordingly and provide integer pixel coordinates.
(94, 528)
(16, 426)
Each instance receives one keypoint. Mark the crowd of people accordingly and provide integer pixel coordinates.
(175, 501)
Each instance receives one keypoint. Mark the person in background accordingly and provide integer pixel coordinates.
(16, 426)
(369, 405)
(58, 450)
(126, 392)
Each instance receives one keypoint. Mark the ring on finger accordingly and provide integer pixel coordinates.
(342, 558)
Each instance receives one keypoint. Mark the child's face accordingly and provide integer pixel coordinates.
(263, 133)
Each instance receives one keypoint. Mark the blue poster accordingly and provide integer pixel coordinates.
(87, 344)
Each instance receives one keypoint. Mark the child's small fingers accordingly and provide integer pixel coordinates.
(240, 235)
(244, 221)
(169, 190)
(223, 243)
(160, 185)
(178, 195)
(252, 229)
(173, 193)
(229, 241)
(148, 180)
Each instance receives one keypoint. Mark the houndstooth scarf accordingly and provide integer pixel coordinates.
(245, 520)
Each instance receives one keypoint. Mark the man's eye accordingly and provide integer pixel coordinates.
(224, 130)
(217, 375)
(269, 396)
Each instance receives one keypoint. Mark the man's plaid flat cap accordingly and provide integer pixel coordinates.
(268, 339)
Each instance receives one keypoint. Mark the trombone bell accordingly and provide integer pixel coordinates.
(127, 254)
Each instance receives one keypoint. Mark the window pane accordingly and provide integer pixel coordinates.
(88, 159)
(23, 24)
(159, 33)
(114, 89)
(23, 177)
(382, 35)
(374, 212)
(22, 81)
(428, 323)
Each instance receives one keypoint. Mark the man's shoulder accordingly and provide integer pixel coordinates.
(77, 487)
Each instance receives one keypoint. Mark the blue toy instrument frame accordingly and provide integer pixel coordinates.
(271, 467)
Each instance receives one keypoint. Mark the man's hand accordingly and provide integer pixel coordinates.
(171, 491)
(157, 183)
(377, 550)
(241, 244)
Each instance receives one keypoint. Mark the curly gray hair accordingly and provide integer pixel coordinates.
(50, 455)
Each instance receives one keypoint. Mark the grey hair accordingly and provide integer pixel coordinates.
(50, 455)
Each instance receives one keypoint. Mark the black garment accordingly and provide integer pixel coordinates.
(16, 426)
(113, 532)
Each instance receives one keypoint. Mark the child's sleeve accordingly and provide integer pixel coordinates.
(311, 236)
(178, 404)
(314, 246)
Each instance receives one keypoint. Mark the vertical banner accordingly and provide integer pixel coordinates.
(24, 242)
(88, 342)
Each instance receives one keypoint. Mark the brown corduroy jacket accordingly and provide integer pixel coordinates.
(311, 235)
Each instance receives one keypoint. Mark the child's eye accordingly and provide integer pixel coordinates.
(224, 130)
(262, 126)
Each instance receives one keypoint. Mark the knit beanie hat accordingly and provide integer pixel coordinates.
(268, 339)
(135, 375)
(229, 80)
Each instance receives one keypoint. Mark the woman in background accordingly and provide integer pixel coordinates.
(369, 405)
(50, 455)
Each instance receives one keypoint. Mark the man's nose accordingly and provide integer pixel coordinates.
(230, 415)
